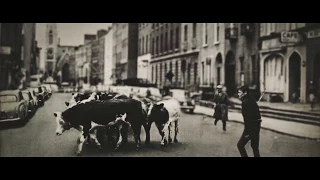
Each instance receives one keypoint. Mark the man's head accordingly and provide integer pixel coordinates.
(219, 88)
(243, 91)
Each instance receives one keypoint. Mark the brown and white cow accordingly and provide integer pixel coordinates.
(164, 113)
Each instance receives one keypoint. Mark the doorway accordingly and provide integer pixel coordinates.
(230, 74)
(218, 65)
(316, 75)
(294, 76)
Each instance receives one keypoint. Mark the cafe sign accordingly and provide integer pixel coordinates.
(313, 34)
(290, 37)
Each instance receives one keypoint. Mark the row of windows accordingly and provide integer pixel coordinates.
(166, 42)
(156, 71)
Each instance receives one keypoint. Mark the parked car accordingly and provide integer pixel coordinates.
(48, 88)
(45, 92)
(34, 96)
(30, 102)
(52, 85)
(13, 107)
(184, 99)
(40, 95)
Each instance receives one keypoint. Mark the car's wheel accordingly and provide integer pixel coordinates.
(191, 111)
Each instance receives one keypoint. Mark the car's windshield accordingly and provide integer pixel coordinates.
(34, 79)
(8, 98)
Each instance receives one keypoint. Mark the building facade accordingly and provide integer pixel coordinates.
(108, 65)
(125, 51)
(165, 49)
(229, 55)
(66, 64)
(175, 48)
(28, 49)
(51, 49)
(10, 55)
(282, 55)
(144, 52)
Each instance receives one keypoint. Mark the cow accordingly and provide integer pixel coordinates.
(164, 113)
(100, 113)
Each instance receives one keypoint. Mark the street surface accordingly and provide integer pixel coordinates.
(197, 138)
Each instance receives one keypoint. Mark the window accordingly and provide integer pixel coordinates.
(202, 75)
(152, 76)
(170, 66)
(217, 32)
(177, 38)
(189, 73)
(157, 44)
(139, 47)
(171, 40)
(147, 44)
(195, 72)
(50, 37)
(177, 71)
(161, 43)
(156, 75)
(160, 73)
(153, 47)
(186, 33)
(165, 68)
(205, 34)
(142, 46)
(166, 42)
(218, 75)
(194, 31)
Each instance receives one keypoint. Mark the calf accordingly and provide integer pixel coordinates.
(101, 113)
(164, 113)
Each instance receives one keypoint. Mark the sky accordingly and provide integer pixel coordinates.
(70, 33)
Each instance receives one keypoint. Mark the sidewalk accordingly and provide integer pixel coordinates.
(286, 106)
(295, 129)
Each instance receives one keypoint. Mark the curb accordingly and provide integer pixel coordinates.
(269, 129)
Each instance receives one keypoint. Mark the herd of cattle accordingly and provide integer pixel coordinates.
(113, 114)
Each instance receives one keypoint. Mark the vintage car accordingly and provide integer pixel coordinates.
(13, 107)
(30, 101)
(40, 95)
(48, 88)
(34, 96)
(46, 93)
(187, 103)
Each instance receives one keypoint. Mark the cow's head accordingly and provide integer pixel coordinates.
(154, 110)
(62, 125)
(74, 99)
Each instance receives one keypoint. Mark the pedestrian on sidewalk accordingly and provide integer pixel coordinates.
(312, 97)
(221, 101)
(252, 122)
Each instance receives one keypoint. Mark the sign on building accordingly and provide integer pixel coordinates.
(290, 37)
(313, 34)
(5, 50)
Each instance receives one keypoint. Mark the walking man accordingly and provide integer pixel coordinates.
(252, 123)
(221, 100)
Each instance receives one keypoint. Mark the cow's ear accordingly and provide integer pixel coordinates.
(67, 103)
(161, 105)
